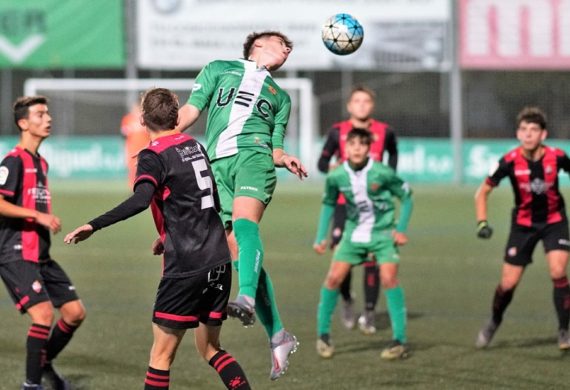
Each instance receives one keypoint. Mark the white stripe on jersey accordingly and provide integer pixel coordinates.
(252, 83)
(366, 218)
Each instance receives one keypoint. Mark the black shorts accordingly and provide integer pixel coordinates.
(30, 283)
(183, 303)
(523, 240)
(339, 218)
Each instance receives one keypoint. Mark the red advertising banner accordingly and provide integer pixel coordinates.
(514, 34)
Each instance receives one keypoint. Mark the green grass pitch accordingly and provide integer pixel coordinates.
(448, 275)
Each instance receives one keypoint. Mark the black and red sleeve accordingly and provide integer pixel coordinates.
(498, 172)
(392, 148)
(149, 168)
(11, 170)
(330, 148)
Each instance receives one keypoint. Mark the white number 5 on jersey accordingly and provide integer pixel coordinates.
(204, 183)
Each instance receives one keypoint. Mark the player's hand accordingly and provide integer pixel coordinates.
(157, 247)
(82, 233)
(484, 230)
(400, 238)
(294, 166)
(50, 221)
(321, 247)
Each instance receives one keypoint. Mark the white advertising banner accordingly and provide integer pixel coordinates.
(187, 34)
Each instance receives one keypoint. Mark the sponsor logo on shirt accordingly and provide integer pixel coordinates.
(37, 286)
(40, 194)
(522, 172)
(4, 172)
(537, 186)
(18, 247)
(196, 87)
(30, 170)
(188, 153)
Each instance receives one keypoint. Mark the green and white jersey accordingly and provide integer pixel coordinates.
(369, 195)
(246, 108)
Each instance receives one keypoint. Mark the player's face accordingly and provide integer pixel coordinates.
(530, 135)
(274, 51)
(38, 122)
(357, 151)
(360, 106)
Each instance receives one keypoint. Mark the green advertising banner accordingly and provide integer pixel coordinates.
(421, 160)
(61, 34)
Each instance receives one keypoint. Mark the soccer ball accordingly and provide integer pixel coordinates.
(342, 34)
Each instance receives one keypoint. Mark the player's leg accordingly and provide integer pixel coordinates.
(27, 289)
(367, 320)
(557, 263)
(64, 297)
(396, 304)
(162, 354)
(518, 254)
(208, 344)
(327, 303)
(347, 314)
(556, 245)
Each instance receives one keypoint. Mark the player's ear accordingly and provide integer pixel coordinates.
(544, 135)
(23, 124)
(141, 120)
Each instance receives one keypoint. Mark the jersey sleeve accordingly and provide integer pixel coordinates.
(392, 148)
(330, 148)
(281, 120)
(149, 169)
(498, 172)
(330, 195)
(564, 162)
(10, 176)
(398, 187)
(204, 86)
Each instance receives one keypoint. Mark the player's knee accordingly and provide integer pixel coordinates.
(388, 281)
(43, 315)
(333, 281)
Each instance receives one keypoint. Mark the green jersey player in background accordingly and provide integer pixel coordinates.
(369, 188)
(247, 117)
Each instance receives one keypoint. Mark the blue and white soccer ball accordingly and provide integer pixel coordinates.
(342, 34)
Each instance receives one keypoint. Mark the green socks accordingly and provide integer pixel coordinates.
(250, 255)
(396, 303)
(325, 310)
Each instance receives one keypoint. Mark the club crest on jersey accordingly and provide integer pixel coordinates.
(37, 286)
(374, 186)
(272, 90)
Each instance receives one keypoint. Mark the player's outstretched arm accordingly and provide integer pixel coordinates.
(82, 233)
(292, 163)
(484, 230)
(187, 115)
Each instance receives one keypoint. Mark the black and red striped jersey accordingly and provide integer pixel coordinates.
(185, 205)
(535, 185)
(383, 139)
(23, 182)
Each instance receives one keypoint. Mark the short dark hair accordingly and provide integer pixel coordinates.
(22, 106)
(532, 114)
(358, 132)
(159, 109)
(362, 88)
(251, 38)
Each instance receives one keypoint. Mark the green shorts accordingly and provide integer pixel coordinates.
(357, 253)
(248, 173)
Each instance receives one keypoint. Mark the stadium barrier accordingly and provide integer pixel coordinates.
(421, 160)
